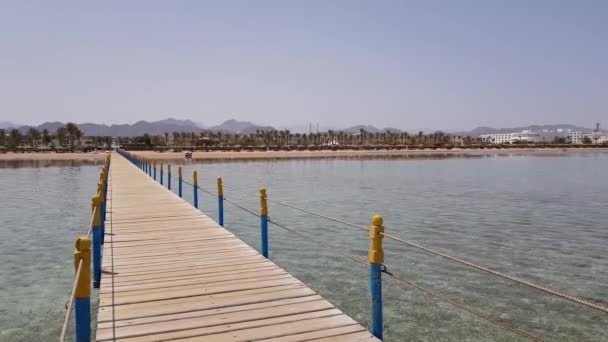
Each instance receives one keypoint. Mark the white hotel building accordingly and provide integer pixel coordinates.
(527, 137)
(524, 137)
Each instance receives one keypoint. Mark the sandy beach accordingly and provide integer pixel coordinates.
(257, 155)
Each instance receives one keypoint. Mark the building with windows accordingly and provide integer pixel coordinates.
(525, 137)
(499, 138)
(579, 137)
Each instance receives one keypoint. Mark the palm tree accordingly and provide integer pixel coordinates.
(74, 133)
(33, 136)
(46, 137)
(15, 138)
(2, 137)
(62, 134)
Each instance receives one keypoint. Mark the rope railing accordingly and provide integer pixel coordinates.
(485, 269)
(79, 299)
(502, 275)
(402, 280)
(376, 258)
(70, 304)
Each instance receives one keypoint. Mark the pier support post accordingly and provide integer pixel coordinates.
(195, 188)
(220, 201)
(376, 258)
(82, 296)
(161, 173)
(179, 183)
(169, 176)
(102, 209)
(154, 170)
(97, 232)
(264, 221)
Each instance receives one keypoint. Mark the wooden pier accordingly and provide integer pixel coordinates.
(172, 273)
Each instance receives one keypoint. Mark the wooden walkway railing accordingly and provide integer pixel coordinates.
(170, 272)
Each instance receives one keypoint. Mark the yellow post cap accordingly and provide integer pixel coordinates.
(83, 252)
(96, 204)
(220, 187)
(263, 202)
(377, 220)
(376, 250)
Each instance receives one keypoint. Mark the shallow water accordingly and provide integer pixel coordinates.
(541, 218)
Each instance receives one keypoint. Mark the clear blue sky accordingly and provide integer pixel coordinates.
(408, 64)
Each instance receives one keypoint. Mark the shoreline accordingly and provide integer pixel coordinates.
(52, 156)
(358, 154)
(274, 155)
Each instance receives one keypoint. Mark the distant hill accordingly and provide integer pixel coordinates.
(370, 129)
(234, 126)
(139, 128)
(6, 124)
(152, 127)
(245, 127)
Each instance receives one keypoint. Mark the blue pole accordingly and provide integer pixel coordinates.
(195, 188)
(220, 210)
(161, 173)
(96, 256)
(102, 210)
(264, 221)
(82, 319)
(97, 238)
(154, 170)
(169, 177)
(179, 185)
(220, 201)
(375, 285)
(376, 259)
(82, 296)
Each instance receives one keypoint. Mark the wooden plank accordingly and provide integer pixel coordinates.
(349, 331)
(208, 312)
(212, 320)
(170, 272)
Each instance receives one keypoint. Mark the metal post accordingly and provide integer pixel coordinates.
(220, 201)
(195, 188)
(264, 221)
(102, 210)
(376, 258)
(82, 296)
(161, 173)
(179, 185)
(154, 170)
(97, 235)
(169, 176)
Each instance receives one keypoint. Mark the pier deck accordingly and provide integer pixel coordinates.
(172, 273)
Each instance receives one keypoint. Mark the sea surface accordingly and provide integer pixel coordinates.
(544, 219)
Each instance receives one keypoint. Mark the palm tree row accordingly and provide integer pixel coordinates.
(284, 138)
(67, 137)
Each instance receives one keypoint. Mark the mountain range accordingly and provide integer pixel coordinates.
(233, 126)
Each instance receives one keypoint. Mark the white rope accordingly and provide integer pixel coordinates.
(70, 304)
